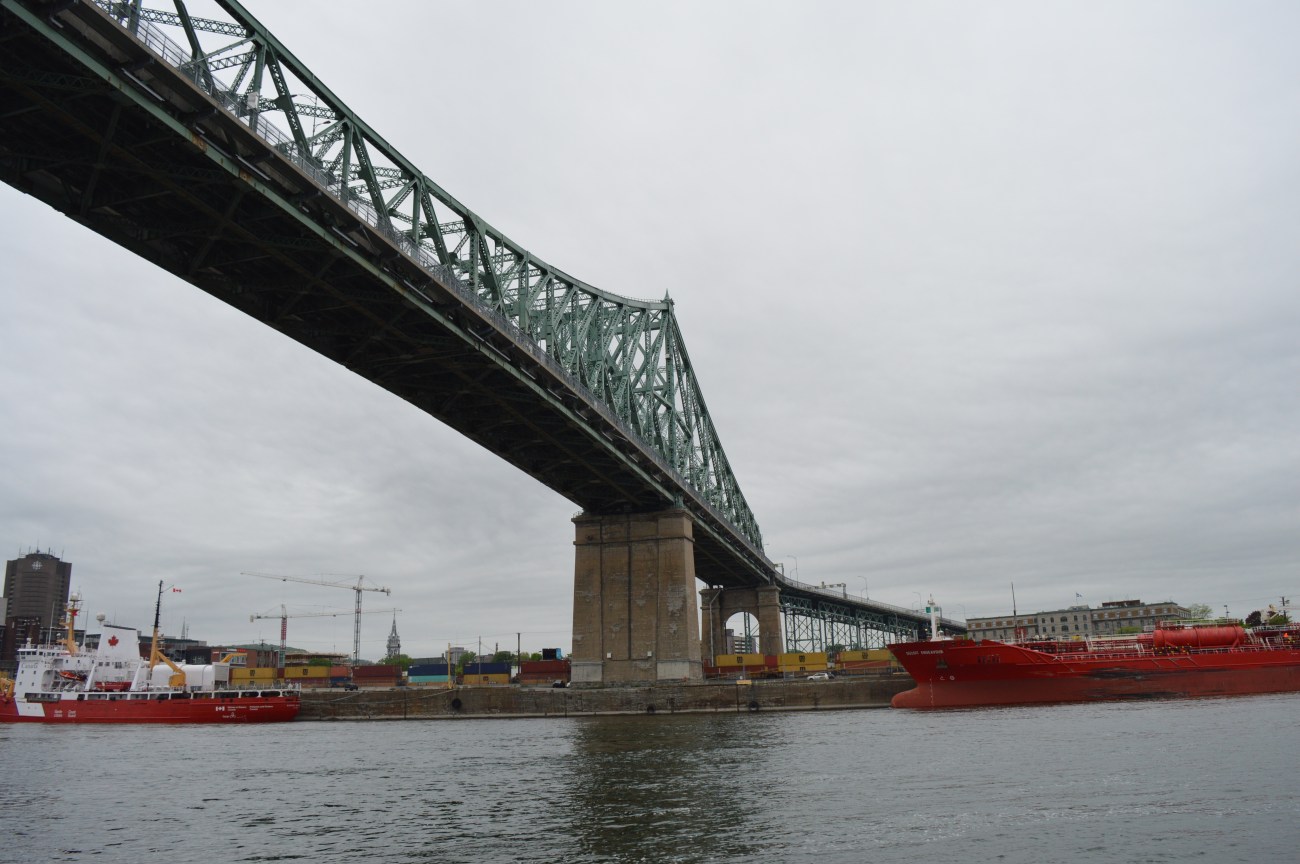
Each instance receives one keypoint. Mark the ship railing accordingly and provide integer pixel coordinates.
(1139, 652)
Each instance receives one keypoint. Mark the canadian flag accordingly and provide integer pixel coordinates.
(175, 590)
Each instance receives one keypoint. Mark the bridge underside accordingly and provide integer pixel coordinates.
(97, 128)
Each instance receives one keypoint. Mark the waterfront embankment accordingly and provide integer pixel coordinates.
(441, 703)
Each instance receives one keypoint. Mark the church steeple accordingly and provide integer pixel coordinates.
(394, 643)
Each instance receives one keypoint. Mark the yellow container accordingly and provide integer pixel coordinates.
(239, 676)
(865, 654)
(808, 658)
(306, 672)
(736, 660)
(501, 678)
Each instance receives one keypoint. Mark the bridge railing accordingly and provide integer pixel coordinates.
(248, 109)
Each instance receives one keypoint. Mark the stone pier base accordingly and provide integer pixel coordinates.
(634, 614)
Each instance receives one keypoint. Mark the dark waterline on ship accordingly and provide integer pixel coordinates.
(1113, 782)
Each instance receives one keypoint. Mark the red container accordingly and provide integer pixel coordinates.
(360, 672)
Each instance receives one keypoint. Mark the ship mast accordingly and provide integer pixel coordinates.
(70, 622)
(157, 613)
(177, 678)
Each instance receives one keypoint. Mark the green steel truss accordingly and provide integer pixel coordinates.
(815, 624)
(627, 355)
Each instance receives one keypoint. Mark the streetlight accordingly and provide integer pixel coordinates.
(866, 595)
(919, 601)
(796, 564)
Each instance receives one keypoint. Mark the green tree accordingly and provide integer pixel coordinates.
(1197, 611)
(399, 660)
(466, 659)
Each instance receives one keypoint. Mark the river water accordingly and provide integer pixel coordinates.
(1210, 779)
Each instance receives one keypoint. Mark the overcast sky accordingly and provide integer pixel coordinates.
(978, 294)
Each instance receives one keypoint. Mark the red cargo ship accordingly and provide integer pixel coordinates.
(1174, 661)
(65, 683)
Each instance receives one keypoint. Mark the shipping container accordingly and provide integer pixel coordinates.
(556, 667)
(471, 678)
(426, 669)
(806, 658)
(865, 654)
(306, 672)
(375, 672)
(806, 662)
(751, 660)
(478, 668)
(254, 674)
(543, 671)
(423, 680)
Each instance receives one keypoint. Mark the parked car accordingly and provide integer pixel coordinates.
(346, 685)
(820, 676)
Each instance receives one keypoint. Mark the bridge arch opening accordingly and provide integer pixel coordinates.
(740, 634)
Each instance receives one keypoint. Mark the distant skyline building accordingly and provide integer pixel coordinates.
(35, 594)
(1077, 622)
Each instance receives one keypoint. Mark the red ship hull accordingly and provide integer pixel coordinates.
(220, 709)
(963, 673)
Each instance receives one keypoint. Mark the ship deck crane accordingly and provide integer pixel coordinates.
(284, 617)
(328, 583)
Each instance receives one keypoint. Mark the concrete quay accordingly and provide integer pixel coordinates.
(440, 703)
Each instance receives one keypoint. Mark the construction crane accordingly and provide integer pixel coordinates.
(284, 617)
(316, 580)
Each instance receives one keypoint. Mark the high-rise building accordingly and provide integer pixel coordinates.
(36, 593)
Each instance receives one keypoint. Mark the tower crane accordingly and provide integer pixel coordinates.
(284, 617)
(316, 580)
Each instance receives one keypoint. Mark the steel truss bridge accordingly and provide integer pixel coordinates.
(186, 140)
(816, 617)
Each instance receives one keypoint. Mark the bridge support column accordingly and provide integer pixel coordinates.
(634, 615)
(719, 604)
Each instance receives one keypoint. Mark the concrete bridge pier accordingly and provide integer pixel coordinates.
(634, 615)
(719, 604)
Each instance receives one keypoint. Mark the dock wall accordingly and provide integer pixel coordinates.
(440, 703)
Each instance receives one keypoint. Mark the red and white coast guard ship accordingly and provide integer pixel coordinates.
(64, 683)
